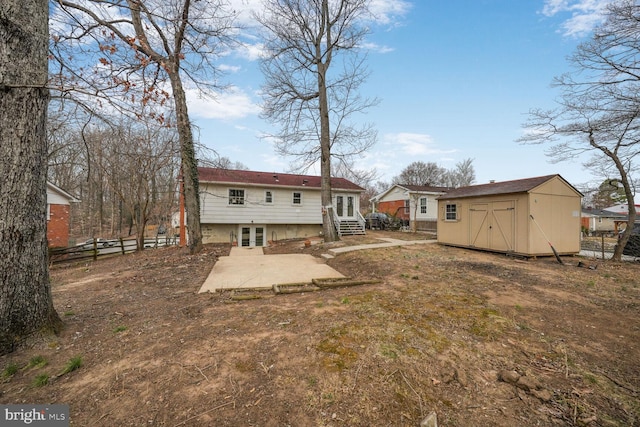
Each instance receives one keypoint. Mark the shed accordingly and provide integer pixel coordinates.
(514, 217)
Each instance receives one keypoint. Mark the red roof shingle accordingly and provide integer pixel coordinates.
(273, 179)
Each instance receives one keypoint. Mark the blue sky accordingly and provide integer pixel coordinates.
(455, 80)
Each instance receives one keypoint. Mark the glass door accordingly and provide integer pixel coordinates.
(259, 236)
(245, 236)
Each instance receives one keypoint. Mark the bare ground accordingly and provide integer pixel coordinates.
(478, 339)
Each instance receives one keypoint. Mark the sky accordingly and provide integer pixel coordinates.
(455, 80)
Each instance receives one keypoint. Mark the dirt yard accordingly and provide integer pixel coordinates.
(477, 339)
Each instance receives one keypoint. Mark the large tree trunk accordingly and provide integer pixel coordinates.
(26, 306)
(328, 227)
(189, 163)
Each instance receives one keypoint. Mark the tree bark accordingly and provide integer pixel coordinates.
(189, 164)
(328, 228)
(26, 305)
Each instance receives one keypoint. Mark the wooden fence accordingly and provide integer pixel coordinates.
(99, 247)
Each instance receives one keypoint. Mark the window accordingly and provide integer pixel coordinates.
(268, 196)
(423, 205)
(407, 206)
(236, 196)
(339, 205)
(451, 213)
(297, 198)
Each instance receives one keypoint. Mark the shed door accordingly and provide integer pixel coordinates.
(492, 226)
(502, 226)
(479, 225)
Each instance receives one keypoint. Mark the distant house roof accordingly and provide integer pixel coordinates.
(504, 187)
(271, 179)
(622, 208)
(601, 213)
(424, 188)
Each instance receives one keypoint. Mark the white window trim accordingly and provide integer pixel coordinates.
(265, 197)
(293, 198)
(425, 206)
(446, 212)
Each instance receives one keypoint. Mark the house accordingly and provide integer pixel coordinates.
(601, 220)
(518, 217)
(415, 204)
(250, 208)
(58, 215)
(622, 208)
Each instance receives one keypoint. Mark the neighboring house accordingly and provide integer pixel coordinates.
(513, 216)
(250, 208)
(58, 215)
(415, 204)
(601, 220)
(622, 208)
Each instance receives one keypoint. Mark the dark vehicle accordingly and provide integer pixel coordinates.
(377, 220)
(632, 247)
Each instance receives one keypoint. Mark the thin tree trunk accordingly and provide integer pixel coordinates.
(26, 305)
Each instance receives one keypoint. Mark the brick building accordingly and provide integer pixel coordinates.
(58, 216)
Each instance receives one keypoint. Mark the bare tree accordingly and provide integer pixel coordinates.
(462, 175)
(599, 108)
(139, 45)
(26, 305)
(421, 173)
(313, 70)
(140, 160)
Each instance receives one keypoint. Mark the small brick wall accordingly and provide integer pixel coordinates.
(395, 207)
(58, 226)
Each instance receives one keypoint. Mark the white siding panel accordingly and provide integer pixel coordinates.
(395, 194)
(216, 209)
(53, 198)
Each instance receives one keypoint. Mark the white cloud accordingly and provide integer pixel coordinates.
(252, 52)
(377, 48)
(387, 11)
(229, 68)
(414, 144)
(585, 14)
(229, 105)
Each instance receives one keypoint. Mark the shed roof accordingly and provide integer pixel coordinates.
(271, 179)
(504, 187)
